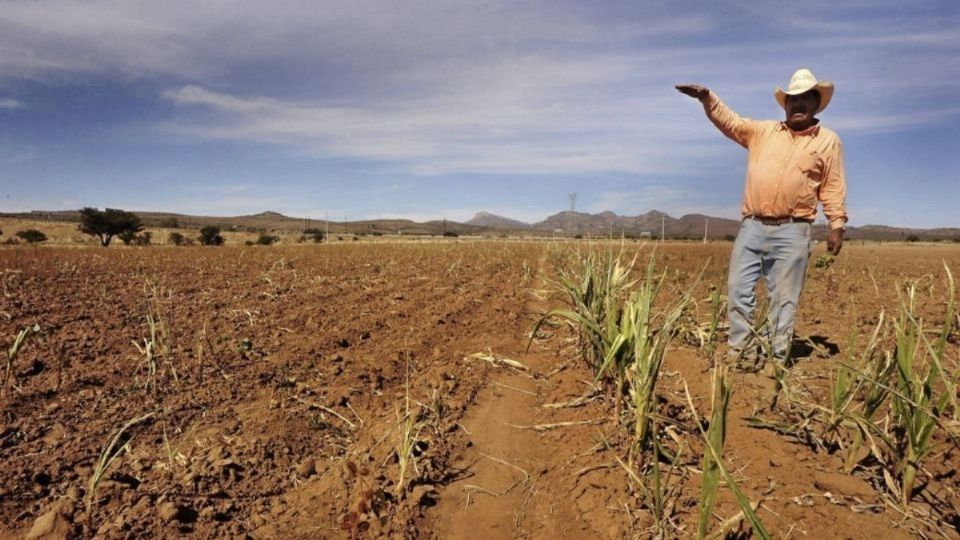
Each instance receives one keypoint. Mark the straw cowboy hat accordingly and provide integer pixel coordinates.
(803, 81)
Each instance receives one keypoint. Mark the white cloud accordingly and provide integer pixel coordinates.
(436, 87)
(488, 129)
(866, 122)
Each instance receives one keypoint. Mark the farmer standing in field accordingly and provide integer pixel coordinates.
(790, 166)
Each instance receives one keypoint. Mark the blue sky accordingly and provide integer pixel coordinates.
(430, 109)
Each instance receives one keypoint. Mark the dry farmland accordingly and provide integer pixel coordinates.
(370, 390)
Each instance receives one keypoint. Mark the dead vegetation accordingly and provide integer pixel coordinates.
(262, 385)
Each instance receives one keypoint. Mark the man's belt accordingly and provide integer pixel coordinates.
(770, 220)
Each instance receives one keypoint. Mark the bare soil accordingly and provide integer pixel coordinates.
(290, 373)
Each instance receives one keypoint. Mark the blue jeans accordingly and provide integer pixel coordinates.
(779, 253)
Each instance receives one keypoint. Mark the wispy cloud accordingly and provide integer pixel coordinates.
(485, 130)
(873, 123)
(559, 89)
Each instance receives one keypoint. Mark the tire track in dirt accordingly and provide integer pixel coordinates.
(497, 479)
(499, 462)
(518, 482)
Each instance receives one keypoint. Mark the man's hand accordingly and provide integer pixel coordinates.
(835, 241)
(694, 91)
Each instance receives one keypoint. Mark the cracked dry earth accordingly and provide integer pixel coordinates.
(285, 379)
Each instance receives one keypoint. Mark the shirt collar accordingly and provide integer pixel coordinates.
(813, 130)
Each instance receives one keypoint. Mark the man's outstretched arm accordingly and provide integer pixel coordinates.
(694, 91)
(730, 123)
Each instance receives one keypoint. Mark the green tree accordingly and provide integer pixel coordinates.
(32, 236)
(109, 223)
(176, 238)
(210, 236)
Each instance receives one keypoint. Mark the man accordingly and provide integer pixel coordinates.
(791, 165)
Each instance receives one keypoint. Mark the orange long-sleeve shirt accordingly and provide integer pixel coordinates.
(787, 171)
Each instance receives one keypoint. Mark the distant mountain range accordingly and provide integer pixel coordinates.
(566, 223)
(690, 226)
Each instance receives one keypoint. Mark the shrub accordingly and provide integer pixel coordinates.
(169, 223)
(32, 236)
(317, 235)
(109, 223)
(913, 238)
(143, 239)
(127, 236)
(210, 236)
(267, 239)
(450, 234)
(176, 238)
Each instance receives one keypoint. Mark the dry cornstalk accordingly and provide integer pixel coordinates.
(498, 360)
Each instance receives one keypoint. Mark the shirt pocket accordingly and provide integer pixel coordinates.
(810, 166)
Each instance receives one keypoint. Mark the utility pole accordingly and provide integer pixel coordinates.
(326, 225)
(663, 227)
(706, 222)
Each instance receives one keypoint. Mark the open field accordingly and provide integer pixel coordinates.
(335, 391)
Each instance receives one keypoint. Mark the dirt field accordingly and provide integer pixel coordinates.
(274, 393)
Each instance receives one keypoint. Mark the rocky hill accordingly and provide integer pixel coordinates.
(609, 223)
(493, 221)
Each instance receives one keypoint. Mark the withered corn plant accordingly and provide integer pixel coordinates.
(14, 350)
(594, 287)
(411, 424)
(853, 399)
(713, 437)
(116, 446)
(639, 350)
(919, 401)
